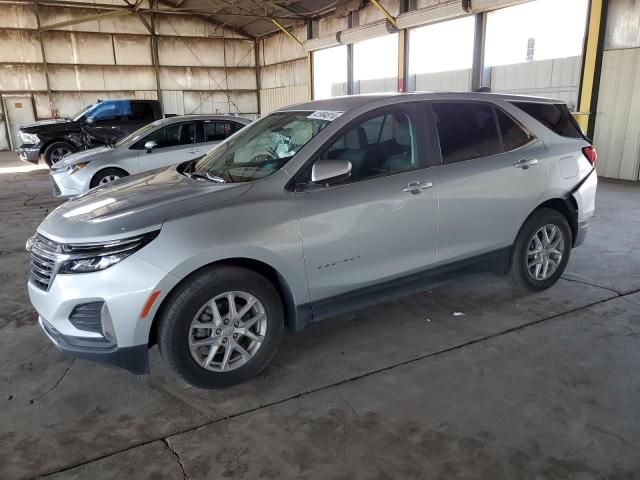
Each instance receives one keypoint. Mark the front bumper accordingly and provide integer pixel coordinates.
(133, 359)
(66, 185)
(124, 290)
(29, 153)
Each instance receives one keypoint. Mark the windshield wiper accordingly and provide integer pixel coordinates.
(206, 176)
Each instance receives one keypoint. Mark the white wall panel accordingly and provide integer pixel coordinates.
(219, 102)
(18, 16)
(126, 23)
(274, 98)
(105, 78)
(132, 50)
(617, 128)
(331, 25)
(183, 25)
(281, 48)
(22, 77)
(198, 52)
(194, 78)
(284, 74)
(19, 47)
(370, 13)
(239, 53)
(77, 48)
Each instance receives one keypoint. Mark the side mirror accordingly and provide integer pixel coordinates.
(150, 145)
(89, 120)
(330, 171)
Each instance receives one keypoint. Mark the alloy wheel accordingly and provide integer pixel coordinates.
(59, 153)
(545, 252)
(108, 179)
(227, 331)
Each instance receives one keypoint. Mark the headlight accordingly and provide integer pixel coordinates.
(78, 166)
(96, 257)
(29, 138)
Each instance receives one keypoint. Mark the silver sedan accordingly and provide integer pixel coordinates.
(159, 144)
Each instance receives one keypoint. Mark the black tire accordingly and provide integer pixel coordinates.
(518, 272)
(106, 173)
(184, 303)
(53, 153)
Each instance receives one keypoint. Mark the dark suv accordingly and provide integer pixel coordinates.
(101, 123)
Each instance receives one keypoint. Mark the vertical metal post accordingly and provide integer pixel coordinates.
(154, 52)
(477, 70)
(256, 48)
(310, 62)
(350, 24)
(591, 66)
(402, 60)
(44, 62)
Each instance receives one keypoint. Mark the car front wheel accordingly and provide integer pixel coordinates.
(107, 175)
(221, 327)
(541, 250)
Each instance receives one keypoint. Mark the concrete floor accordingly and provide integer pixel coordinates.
(521, 387)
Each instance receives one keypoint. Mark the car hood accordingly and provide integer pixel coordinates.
(133, 205)
(53, 124)
(82, 156)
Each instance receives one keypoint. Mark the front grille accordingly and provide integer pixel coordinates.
(43, 261)
(87, 317)
(56, 188)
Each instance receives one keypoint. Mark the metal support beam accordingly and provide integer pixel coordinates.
(287, 32)
(310, 34)
(256, 47)
(384, 12)
(45, 64)
(477, 69)
(591, 66)
(154, 51)
(88, 18)
(402, 60)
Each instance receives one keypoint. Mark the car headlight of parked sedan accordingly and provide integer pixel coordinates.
(77, 167)
(29, 138)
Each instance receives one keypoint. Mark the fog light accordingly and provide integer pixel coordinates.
(107, 325)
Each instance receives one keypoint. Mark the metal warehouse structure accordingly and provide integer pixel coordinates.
(251, 57)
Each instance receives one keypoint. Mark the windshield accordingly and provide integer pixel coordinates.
(78, 115)
(261, 148)
(138, 134)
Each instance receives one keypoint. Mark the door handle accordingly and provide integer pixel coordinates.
(526, 163)
(194, 151)
(415, 186)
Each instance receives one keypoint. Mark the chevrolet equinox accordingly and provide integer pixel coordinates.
(316, 209)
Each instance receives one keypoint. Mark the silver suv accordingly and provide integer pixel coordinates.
(314, 210)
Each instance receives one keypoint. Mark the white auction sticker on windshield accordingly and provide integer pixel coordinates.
(328, 115)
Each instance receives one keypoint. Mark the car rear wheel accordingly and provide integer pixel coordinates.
(107, 175)
(541, 251)
(57, 151)
(221, 327)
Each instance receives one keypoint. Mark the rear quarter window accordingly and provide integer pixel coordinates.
(555, 116)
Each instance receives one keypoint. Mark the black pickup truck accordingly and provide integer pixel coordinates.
(101, 123)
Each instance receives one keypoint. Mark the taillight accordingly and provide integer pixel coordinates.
(591, 154)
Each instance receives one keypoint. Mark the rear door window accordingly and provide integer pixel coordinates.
(513, 135)
(141, 111)
(555, 116)
(466, 130)
(216, 130)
